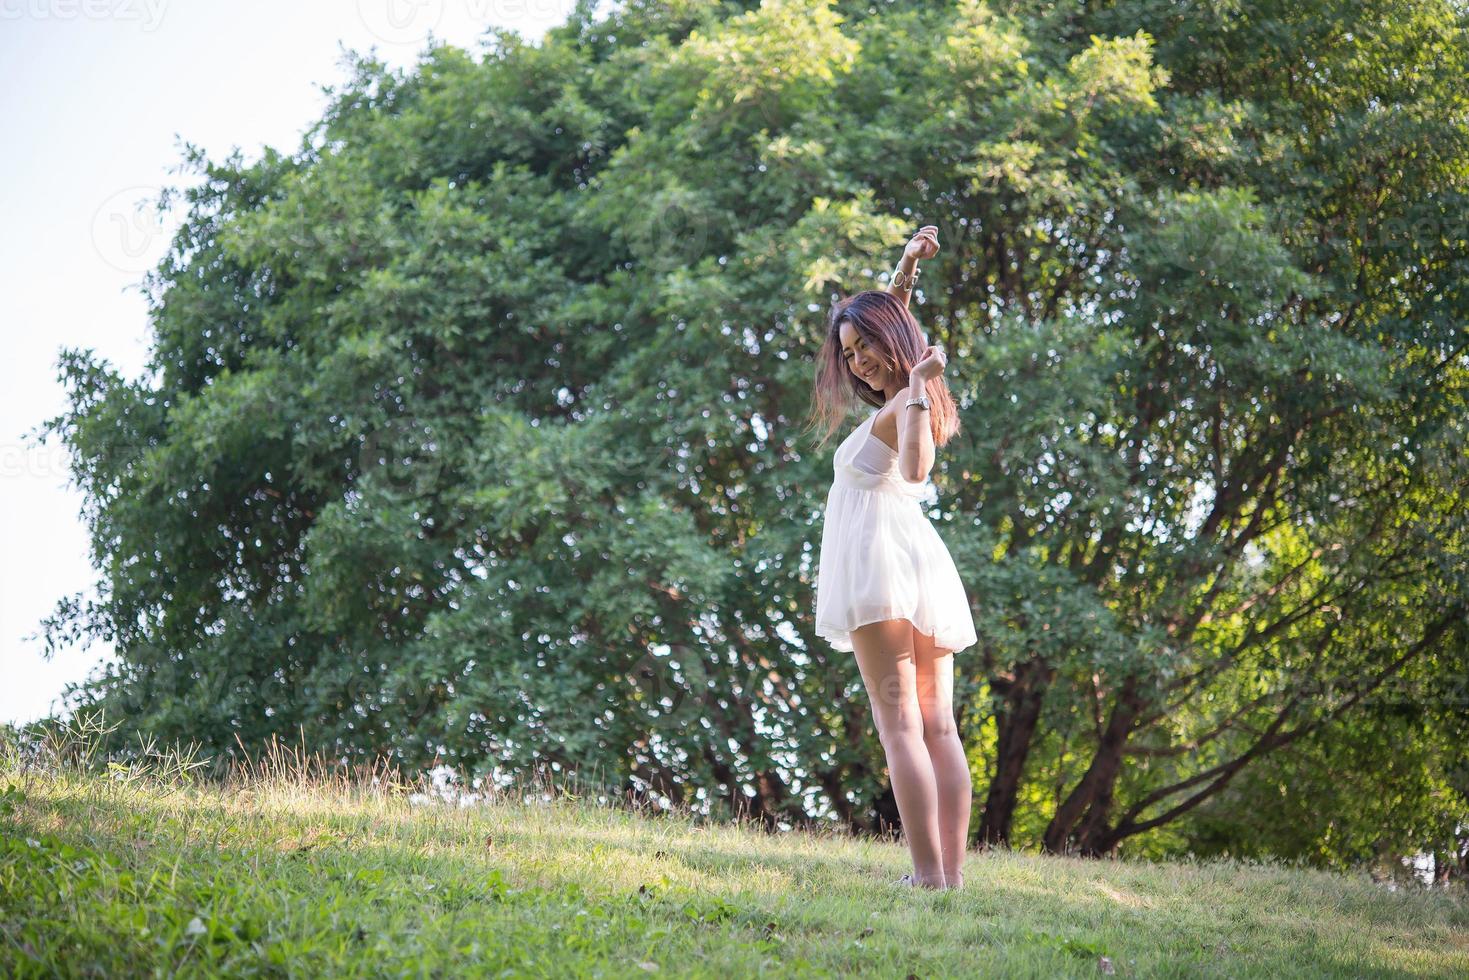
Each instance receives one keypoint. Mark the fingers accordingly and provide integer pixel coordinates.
(935, 352)
(929, 236)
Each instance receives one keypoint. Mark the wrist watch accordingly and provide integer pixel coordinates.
(917, 400)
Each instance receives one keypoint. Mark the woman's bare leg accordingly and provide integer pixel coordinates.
(885, 656)
(935, 681)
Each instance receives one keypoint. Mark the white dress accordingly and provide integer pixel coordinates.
(881, 558)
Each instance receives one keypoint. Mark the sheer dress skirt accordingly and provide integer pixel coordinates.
(881, 557)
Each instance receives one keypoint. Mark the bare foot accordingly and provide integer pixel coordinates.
(913, 881)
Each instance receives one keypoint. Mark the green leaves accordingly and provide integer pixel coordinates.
(778, 57)
(473, 429)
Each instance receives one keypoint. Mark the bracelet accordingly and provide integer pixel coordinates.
(905, 281)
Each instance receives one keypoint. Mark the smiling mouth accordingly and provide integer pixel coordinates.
(870, 375)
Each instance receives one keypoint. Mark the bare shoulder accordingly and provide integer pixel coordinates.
(885, 423)
(893, 405)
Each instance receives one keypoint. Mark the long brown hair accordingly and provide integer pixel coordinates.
(891, 331)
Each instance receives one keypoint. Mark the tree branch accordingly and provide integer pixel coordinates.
(1273, 738)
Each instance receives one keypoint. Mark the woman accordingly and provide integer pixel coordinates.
(886, 587)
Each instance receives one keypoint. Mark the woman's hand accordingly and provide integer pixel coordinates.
(929, 366)
(924, 245)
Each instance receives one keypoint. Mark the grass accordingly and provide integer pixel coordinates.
(140, 869)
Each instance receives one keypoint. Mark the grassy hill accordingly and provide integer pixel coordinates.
(285, 871)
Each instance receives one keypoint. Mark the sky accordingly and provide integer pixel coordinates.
(98, 98)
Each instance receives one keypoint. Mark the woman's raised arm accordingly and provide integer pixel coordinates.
(924, 245)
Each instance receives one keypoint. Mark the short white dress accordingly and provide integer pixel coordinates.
(881, 558)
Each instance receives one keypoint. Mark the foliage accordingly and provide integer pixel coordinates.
(468, 428)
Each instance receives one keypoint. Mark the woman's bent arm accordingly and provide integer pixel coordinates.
(923, 245)
(901, 283)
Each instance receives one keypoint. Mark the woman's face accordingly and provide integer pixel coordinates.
(861, 359)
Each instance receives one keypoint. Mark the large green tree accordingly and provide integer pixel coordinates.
(472, 428)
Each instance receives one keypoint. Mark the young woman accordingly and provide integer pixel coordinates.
(886, 587)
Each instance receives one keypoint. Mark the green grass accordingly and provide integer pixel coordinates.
(144, 870)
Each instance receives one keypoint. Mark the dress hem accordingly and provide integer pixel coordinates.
(840, 637)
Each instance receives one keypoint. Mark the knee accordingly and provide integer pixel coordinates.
(939, 725)
(901, 725)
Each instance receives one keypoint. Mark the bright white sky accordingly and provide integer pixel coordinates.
(98, 97)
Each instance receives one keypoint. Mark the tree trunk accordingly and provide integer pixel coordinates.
(1093, 794)
(1017, 721)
